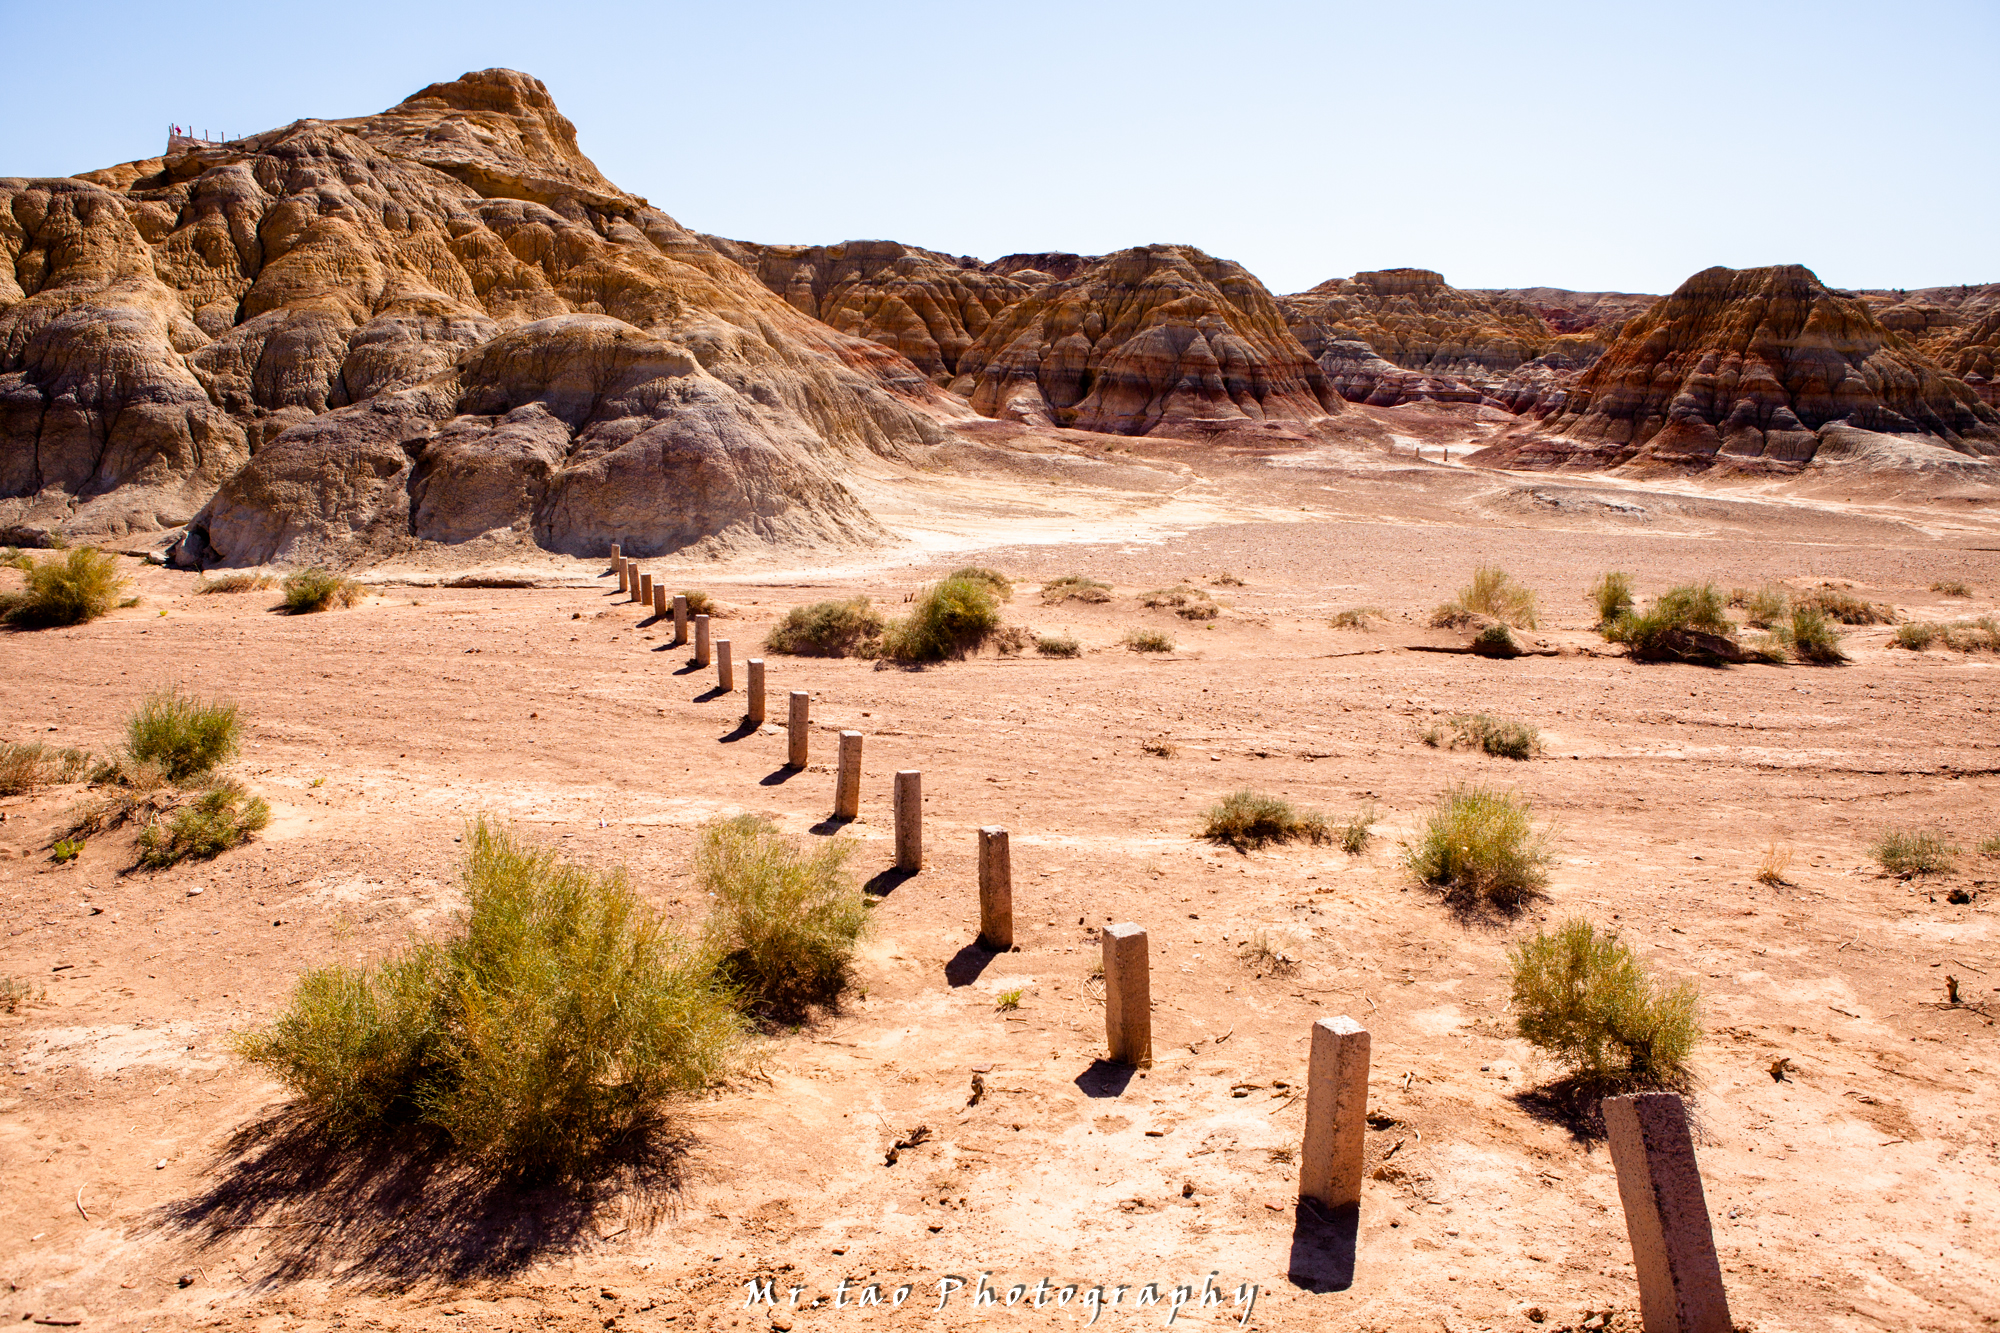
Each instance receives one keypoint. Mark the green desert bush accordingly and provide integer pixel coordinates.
(1492, 592)
(1839, 604)
(236, 583)
(827, 629)
(1148, 641)
(558, 1014)
(184, 736)
(1057, 645)
(31, 764)
(699, 603)
(1905, 853)
(1763, 607)
(1612, 594)
(1495, 641)
(1245, 819)
(1672, 629)
(949, 619)
(1501, 737)
(1976, 636)
(1586, 999)
(1075, 588)
(1357, 832)
(1916, 635)
(1002, 586)
(316, 589)
(1356, 617)
(223, 816)
(786, 918)
(63, 589)
(1812, 637)
(1184, 600)
(1479, 844)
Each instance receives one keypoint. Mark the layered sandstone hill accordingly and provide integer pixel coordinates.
(1958, 327)
(1576, 312)
(436, 324)
(1753, 364)
(1153, 338)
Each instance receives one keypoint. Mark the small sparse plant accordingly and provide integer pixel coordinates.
(1771, 868)
(1184, 600)
(236, 583)
(185, 736)
(1495, 641)
(1501, 737)
(63, 589)
(827, 629)
(1160, 748)
(786, 918)
(31, 764)
(1480, 845)
(1492, 592)
(1356, 617)
(1057, 645)
(1904, 853)
(1990, 846)
(1147, 641)
(221, 817)
(1763, 607)
(1007, 1001)
(1075, 588)
(1262, 953)
(950, 619)
(1612, 594)
(1227, 580)
(1359, 830)
(315, 589)
(1586, 999)
(65, 850)
(1813, 638)
(1839, 604)
(1246, 819)
(1951, 588)
(700, 603)
(1002, 587)
(16, 995)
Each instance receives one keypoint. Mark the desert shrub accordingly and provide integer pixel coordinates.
(1057, 645)
(316, 589)
(63, 589)
(31, 764)
(1148, 641)
(1502, 737)
(1357, 832)
(1227, 580)
(1001, 586)
(1011, 640)
(1159, 747)
(1586, 999)
(827, 629)
(185, 736)
(1185, 601)
(699, 603)
(1075, 588)
(556, 1015)
(222, 816)
(1772, 866)
(16, 995)
(1495, 641)
(786, 918)
(1904, 853)
(1813, 638)
(1951, 588)
(1916, 635)
(1263, 955)
(1668, 629)
(1839, 604)
(1492, 592)
(1976, 636)
(949, 619)
(1763, 607)
(1478, 844)
(1356, 617)
(1990, 846)
(236, 583)
(1245, 819)
(1612, 594)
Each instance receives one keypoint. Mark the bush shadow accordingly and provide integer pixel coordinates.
(409, 1213)
(1322, 1257)
(1104, 1078)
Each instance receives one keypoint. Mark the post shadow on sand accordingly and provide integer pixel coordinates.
(713, 692)
(966, 965)
(1323, 1246)
(778, 777)
(1104, 1078)
(687, 668)
(886, 883)
(831, 825)
(744, 727)
(379, 1214)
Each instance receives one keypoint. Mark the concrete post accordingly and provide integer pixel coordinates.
(660, 599)
(725, 670)
(753, 710)
(680, 619)
(701, 640)
(798, 721)
(847, 782)
(1336, 1113)
(996, 891)
(909, 819)
(1128, 995)
(618, 566)
(646, 590)
(1666, 1215)
(635, 577)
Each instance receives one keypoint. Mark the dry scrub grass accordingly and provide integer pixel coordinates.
(1479, 845)
(827, 629)
(1356, 617)
(315, 589)
(16, 995)
(1492, 592)
(1075, 588)
(1965, 636)
(232, 583)
(223, 816)
(1586, 999)
(1246, 819)
(63, 589)
(1612, 595)
(184, 736)
(1839, 604)
(786, 917)
(951, 619)
(31, 764)
(1772, 866)
(1501, 737)
(1147, 641)
(1904, 853)
(1185, 601)
(999, 584)
(1951, 588)
(1057, 645)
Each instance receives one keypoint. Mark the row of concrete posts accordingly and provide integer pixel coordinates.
(1652, 1150)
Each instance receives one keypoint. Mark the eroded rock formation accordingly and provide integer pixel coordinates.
(431, 325)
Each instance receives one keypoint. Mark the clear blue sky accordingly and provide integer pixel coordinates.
(1599, 145)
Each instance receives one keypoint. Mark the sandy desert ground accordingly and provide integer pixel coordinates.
(153, 1183)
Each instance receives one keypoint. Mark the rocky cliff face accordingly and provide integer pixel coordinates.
(1565, 311)
(1752, 365)
(429, 326)
(1958, 327)
(1138, 341)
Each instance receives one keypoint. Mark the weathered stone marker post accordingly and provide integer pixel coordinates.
(1336, 1113)
(847, 782)
(753, 710)
(798, 721)
(660, 599)
(909, 819)
(632, 580)
(996, 891)
(701, 640)
(680, 619)
(645, 590)
(1128, 995)
(618, 566)
(1666, 1215)
(725, 670)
